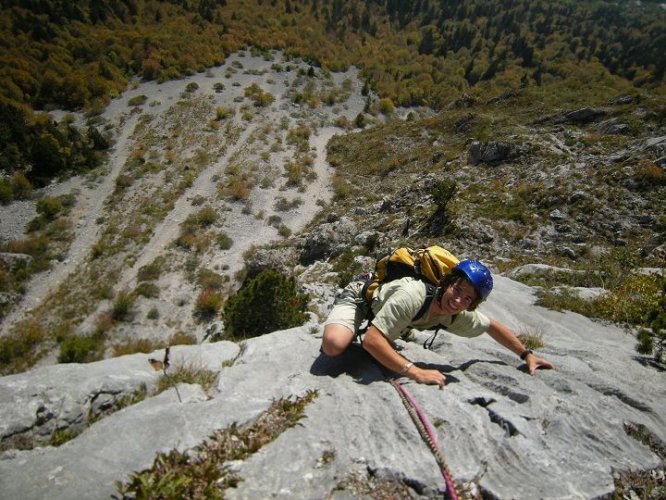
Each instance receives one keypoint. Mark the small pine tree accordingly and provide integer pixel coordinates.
(267, 303)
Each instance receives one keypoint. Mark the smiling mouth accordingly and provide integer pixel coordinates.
(446, 305)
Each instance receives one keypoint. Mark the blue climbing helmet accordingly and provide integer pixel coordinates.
(479, 275)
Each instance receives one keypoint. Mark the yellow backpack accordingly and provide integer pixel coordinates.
(429, 264)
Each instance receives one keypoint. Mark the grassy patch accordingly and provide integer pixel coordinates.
(631, 302)
(638, 301)
(208, 303)
(201, 472)
(532, 338)
(649, 484)
(370, 485)
(132, 346)
(188, 373)
(22, 347)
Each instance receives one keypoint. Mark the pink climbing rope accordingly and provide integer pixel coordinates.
(427, 434)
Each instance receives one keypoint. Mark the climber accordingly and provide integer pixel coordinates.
(395, 308)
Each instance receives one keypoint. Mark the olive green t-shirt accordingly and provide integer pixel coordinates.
(395, 304)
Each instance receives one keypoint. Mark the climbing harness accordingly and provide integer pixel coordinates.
(427, 434)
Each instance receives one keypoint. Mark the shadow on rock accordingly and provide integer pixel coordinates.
(472, 362)
(445, 369)
(354, 362)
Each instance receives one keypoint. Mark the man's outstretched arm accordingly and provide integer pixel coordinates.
(504, 336)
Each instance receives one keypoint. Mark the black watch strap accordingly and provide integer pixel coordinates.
(525, 353)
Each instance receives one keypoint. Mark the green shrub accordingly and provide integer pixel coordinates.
(532, 339)
(224, 241)
(443, 192)
(386, 106)
(152, 271)
(137, 100)
(284, 231)
(149, 290)
(210, 279)
(17, 187)
(205, 216)
(21, 186)
(18, 348)
(81, 349)
(182, 338)
(266, 303)
(123, 181)
(222, 113)
(6, 192)
(187, 374)
(122, 306)
(61, 436)
(208, 302)
(258, 96)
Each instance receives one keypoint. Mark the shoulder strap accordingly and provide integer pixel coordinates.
(430, 340)
(431, 291)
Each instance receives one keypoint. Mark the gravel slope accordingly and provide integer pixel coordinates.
(247, 223)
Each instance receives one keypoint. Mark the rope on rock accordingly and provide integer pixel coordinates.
(427, 434)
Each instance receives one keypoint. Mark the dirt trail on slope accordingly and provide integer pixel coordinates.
(84, 216)
(245, 228)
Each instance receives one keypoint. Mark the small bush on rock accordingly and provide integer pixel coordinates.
(266, 303)
(122, 306)
(208, 303)
(80, 349)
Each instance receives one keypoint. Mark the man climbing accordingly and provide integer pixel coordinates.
(396, 308)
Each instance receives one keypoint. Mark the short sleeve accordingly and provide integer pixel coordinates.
(470, 324)
(398, 304)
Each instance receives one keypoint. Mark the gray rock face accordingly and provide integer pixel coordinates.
(68, 396)
(488, 152)
(656, 145)
(558, 434)
(327, 239)
(583, 115)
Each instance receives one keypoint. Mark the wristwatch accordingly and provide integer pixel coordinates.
(526, 353)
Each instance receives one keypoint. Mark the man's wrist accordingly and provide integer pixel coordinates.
(525, 353)
(405, 368)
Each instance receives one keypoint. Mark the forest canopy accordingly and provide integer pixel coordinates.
(76, 55)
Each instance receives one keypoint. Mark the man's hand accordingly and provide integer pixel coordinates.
(534, 362)
(508, 339)
(429, 377)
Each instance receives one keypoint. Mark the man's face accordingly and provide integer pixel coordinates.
(456, 298)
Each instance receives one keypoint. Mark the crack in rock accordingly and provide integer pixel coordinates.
(495, 417)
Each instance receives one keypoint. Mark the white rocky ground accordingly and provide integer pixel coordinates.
(559, 434)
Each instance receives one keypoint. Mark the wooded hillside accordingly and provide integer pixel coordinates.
(77, 55)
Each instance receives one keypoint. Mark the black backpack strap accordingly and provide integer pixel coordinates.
(431, 291)
(428, 343)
